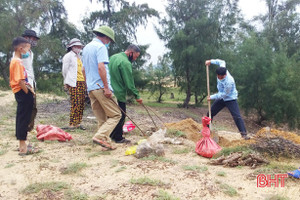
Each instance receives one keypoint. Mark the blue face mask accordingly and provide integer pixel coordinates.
(25, 55)
(107, 45)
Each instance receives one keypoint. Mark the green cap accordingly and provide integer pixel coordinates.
(106, 30)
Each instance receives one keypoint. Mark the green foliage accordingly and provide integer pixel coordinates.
(75, 195)
(191, 47)
(228, 150)
(277, 197)
(52, 186)
(160, 78)
(163, 195)
(73, 168)
(147, 181)
(195, 168)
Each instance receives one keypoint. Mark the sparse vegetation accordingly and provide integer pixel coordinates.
(95, 154)
(147, 181)
(163, 195)
(175, 133)
(121, 169)
(221, 173)
(277, 197)
(195, 168)
(73, 168)
(181, 150)
(227, 189)
(75, 195)
(52, 186)
(159, 158)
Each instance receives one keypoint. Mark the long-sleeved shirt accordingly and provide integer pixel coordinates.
(120, 70)
(226, 87)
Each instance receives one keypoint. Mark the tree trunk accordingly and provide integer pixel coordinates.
(188, 89)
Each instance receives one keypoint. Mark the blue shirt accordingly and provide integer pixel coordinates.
(94, 53)
(226, 87)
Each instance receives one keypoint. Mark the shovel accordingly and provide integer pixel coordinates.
(150, 116)
(208, 94)
(124, 113)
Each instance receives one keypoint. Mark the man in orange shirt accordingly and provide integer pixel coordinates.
(23, 93)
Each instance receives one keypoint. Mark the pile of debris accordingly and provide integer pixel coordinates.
(240, 159)
(277, 143)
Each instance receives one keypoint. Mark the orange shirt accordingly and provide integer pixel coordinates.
(16, 74)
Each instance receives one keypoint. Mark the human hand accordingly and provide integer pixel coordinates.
(140, 100)
(107, 93)
(208, 98)
(207, 62)
(66, 86)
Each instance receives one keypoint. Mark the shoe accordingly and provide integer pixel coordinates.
(123, 141)
(104, 144)
(30, 150)
(245, 137)
(81, 127)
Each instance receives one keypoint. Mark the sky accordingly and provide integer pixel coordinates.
(77, 9)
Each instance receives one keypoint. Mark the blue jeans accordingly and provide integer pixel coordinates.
(233, 107)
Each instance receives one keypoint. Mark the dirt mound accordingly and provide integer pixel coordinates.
(272, 133)
(191, 128)
(277, 143)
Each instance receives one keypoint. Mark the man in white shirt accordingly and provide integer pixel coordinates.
(27, 59)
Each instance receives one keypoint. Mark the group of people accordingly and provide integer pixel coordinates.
(107, 81)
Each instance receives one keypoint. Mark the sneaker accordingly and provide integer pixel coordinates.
(125, 141)
(245, 137)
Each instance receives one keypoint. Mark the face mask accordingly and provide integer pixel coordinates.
(32, 42)
(25, 55)
(107, 45)
(76, 50)
(130, 57)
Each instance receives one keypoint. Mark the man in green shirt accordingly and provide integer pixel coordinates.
(120, 69)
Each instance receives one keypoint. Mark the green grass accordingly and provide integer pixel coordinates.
(277, 197)
(3, 151)
(114, 163)
(73, 168)
(9, 165)
(221, 173)
(228, 150)
(227, 189)
(95, 154)
(181, 150)
(163, 195)
(75, 195)
(275, 167)
(195, 168)
(147, 181)
(52, 186)
(121, 169)
(175, 133)
(159, 158)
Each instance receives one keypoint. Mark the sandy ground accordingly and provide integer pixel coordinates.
(108, 175)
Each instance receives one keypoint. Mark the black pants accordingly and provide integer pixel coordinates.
(24, 110)
(233, 107)
(117, 133)
(33, 114)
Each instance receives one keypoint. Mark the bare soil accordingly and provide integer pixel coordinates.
(109, 175)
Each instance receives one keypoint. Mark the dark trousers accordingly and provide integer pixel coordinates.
(233, 107)
(24, 110)
(117, 133)
(33, 114)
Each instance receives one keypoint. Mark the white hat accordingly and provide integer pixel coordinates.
(74, 42)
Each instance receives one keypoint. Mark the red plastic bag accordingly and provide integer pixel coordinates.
(206, 146)
(48, 132)
(128, 126)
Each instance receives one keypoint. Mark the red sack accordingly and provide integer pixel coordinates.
(206, 146)
(48, 132)
(128, 126)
